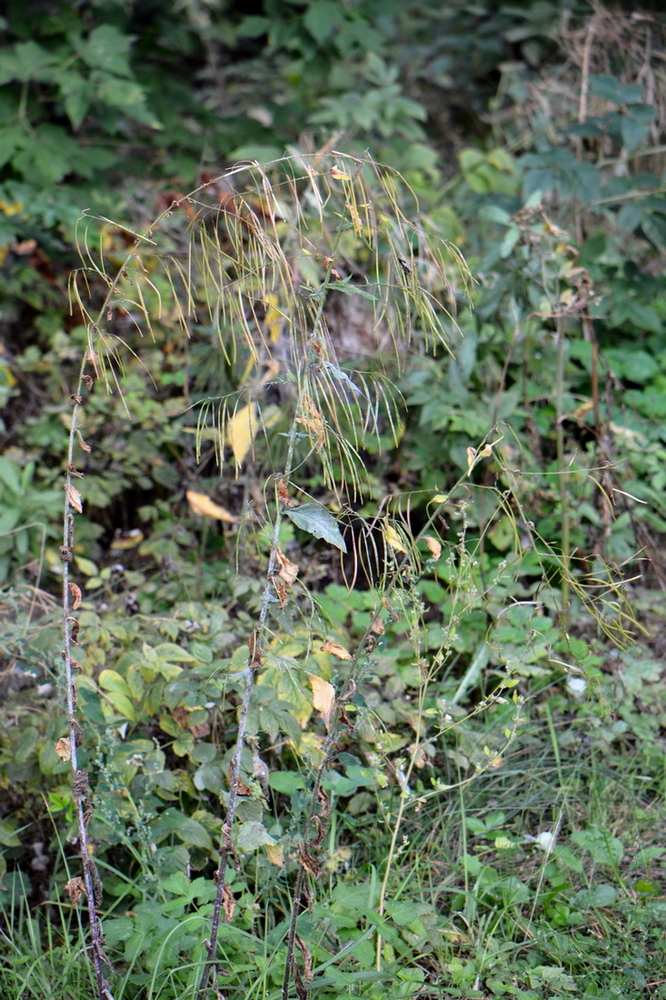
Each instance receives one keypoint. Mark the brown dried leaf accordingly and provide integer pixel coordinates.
(310, 864)
(63, 748)
(75, 594)
(74, 498)
(74, 888)
(280, 590)
(74, 627)
(228, 902)
(255, 659)
(86, 447)
(283, 493)
(337, 650)
(321, 833)
(307, 956)
(288, 570)
(377, 626)
(201, 730)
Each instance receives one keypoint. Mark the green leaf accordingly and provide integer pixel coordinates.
(633, 133)
(613, 90)
(286, 782)
(603, 848)
(250, 836)
(77, 93)
(317, 521)
(9, 475)
(106, 48)
(553, 976)
(598, 895)
(321, 19)
(111, 680)
(171, 652)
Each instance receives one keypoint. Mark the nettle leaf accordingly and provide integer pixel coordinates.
(603, 848)
(250, 836)
(604, 85)
(317, 521)
(107, 49)
(321, 19)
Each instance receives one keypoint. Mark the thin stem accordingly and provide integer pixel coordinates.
(562, 474)
(226, 843)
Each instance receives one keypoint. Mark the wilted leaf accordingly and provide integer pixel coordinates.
(392, 538)
(434, 545)
(75, 594)
(316, 520)
(275, 855)
(86, 447)
(337, 650)
(202, 504)
(63, 748)
(228, 902)
(323, 697)
(74, 498)
(241, 431)
(74, 888)
(288, 570)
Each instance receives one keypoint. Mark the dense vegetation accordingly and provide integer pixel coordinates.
(336, 669)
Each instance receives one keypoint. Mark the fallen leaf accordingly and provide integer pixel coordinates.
(202, 504)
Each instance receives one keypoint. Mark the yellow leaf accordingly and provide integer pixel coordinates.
(241, 431)
(202, 504)
(275, 854)
(63, 748)
(273, 318)
(337, 650)
(392, 538)
(323, 697)
(434, 546)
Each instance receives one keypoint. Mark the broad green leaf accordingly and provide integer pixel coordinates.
(317, 521)
(603, 848)
(110, 680)
(250, 836)
(9, 475)
(77, 93)
(598, 895)
(604, 85)
(321, 19)
(170, 651)
(106, 48)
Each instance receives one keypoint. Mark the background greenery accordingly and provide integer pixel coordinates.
(531, 138)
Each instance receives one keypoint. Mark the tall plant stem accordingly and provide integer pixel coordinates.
(80, 787)
(247, 676)
(562, 473)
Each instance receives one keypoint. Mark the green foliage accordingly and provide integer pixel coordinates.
(432, 589)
